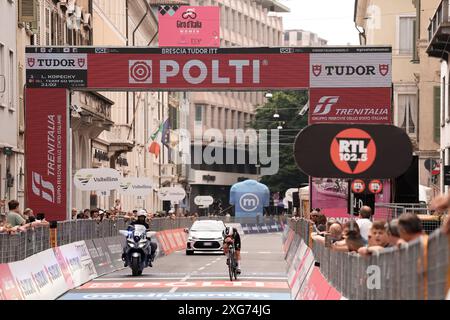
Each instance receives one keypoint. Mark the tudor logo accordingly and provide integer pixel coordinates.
(325, 104)
(353, 151)
(81, 62)
(384, 69)
(317, 70)
(31, 62)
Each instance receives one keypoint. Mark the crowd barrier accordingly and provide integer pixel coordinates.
(48, 274)
(418, 271)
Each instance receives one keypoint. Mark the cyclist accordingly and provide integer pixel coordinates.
(231, 236)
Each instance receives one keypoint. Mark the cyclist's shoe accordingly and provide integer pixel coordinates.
(228, 262)
(238, 270)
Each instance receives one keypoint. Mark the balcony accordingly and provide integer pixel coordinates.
(439, 32)
(119, 139)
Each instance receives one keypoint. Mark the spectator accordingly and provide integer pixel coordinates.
(95, 214)
(117, 206)
(441, 204)
(354, 240)
(341, 245)
(364, 222)
(13, 217)
(84, 215)
(378, 239)
(335, 232)
(392, 232)
(409, 227)
(74, 213)
(28, 215)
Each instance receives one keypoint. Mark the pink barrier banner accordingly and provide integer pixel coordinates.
(63, 266)
(22, 273)
(9, 288)
(56, 284)
(289, 240)
(164, 242)
(303, 272)
(318, 288)
(186, 26)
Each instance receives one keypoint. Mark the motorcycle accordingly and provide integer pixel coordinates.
(137, 251)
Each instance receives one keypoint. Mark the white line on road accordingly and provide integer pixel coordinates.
(202, 268)
(200, 276)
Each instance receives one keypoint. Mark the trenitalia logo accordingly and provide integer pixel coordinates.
(325, 104)
(196, 72)
(42, 188)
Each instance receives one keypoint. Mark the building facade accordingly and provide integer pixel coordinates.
(403, 25)
(247, 24)
(302, 38)
(438, 48)
(11, 152)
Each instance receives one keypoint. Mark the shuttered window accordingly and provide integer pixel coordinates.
(437, 115)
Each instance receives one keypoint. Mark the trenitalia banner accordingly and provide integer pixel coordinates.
(186, 26)
(208, 68)
(350, 151)
(350, 105)
(46, 151)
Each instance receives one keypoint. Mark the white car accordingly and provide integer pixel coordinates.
(205, 235)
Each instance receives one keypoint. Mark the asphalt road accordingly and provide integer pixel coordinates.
(201, 276)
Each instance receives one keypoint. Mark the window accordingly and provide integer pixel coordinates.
(198, 113)
(406, 35)
(299, 36)
(2, 73)
(443, 99)
(11, 81)
(286, 36)
(436, 115)
(173, 116)
(407, 113)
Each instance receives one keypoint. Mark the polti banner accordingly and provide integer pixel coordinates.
(350, 151)
(188, 26)
(350, 105)
(209, 68)
(46, 152)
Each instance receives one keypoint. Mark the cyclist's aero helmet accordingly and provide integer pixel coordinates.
(228, 231)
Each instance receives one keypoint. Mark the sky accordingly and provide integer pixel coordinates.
(332, 20)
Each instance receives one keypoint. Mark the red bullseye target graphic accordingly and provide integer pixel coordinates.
(140, 71)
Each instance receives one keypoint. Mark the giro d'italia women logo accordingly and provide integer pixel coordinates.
(353, 151)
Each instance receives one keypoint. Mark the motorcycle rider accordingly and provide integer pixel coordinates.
(231, 235)
(141, 217)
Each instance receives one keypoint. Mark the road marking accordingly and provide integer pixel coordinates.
(175, 296)
(200, 276)
(202, 268)
(173, 285)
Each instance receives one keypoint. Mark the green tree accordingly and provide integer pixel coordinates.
(288, 105)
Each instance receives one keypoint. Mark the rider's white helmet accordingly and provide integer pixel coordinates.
(142, 213)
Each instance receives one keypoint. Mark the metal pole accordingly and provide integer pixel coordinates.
(352, 199)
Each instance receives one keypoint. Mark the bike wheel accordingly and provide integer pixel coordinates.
(230, 267)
